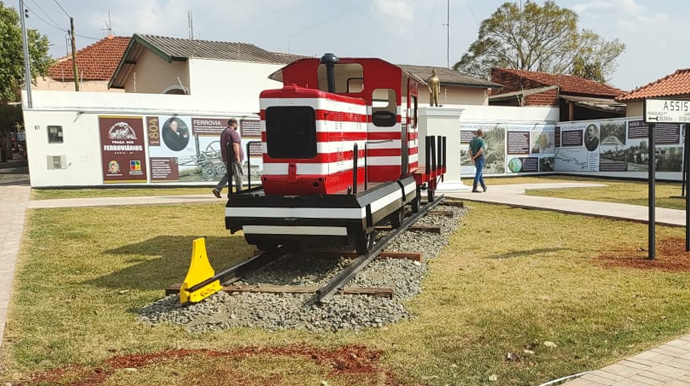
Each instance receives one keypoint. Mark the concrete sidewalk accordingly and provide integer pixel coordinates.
(514, 195)
(668, 364)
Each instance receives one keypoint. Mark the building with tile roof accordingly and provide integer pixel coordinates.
(577, 98)
(456, 87)
(96, 64)
(673, 86)
(158, 64)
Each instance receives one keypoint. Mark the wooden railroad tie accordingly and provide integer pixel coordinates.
(457, 204)
(420, 228)
(446, 213)
(294, 289)
(414, 256)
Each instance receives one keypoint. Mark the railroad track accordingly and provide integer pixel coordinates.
(224, 279)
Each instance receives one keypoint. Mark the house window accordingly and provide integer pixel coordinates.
(55, 134)
(383, 107)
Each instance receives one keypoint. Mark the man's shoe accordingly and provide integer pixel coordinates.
(484, 188)
(216, 192)
(476, 191)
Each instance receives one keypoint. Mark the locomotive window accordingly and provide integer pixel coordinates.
(349, 77)
(291, 132)
(355, 85)
(383, 107)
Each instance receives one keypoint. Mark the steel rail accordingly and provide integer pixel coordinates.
(235, 272)
(324, 293)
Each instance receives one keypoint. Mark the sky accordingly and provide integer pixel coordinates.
(399, 31)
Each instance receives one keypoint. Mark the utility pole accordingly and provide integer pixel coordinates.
(448, 34)
(190, 24)
(23, 13)
(74, 54)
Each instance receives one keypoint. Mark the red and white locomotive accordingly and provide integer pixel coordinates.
(340, 154)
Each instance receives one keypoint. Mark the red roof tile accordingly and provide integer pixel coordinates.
(567, 83)
(677, 83)
(95, 62)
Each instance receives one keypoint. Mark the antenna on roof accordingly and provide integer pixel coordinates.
(190, 22)
(108, 26)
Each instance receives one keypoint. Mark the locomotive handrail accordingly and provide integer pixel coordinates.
(355, 156)
(228, 166)
(249, 165)
(366, 157)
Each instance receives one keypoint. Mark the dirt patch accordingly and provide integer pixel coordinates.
(670, 256)
(355, 361)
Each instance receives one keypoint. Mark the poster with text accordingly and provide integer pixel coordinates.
(495, 137)
(579, 151)
(250, 132)
(187, 149)
(528, 145)
(123, 158)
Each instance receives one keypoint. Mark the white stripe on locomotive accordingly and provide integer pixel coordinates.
(277, 212)
(295, 230)
(315, 103)
(316, 213)
(330, 147)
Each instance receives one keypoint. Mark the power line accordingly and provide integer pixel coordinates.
(317, 24)
(53, 25)
(426, 35)
(44, 12)
(63, 10)
(87, 37)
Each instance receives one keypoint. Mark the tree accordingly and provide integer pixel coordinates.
(12, 65)
(12, 54)
(542, 39)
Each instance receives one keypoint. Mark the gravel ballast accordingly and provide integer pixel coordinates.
(299, 311)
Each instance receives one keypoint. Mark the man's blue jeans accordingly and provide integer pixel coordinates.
(478, 176)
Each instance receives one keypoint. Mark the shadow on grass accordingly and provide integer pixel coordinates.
(529, 252)
(172, 255)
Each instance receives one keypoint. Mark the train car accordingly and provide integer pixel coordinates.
(340, 155)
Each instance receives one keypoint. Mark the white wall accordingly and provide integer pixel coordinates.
(634, 109)
(231, 85)
(455, 96)
(153, 75)
(78, 113)
(446, 121)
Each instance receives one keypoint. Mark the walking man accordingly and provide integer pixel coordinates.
(477, 149)
(230, 136)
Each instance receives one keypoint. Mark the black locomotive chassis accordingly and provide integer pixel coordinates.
(356, 227)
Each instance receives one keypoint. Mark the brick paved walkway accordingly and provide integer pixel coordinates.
(668, 364)
(14, 196)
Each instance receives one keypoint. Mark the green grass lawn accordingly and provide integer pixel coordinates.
(50, 194)
(510, 279)
(624, 192)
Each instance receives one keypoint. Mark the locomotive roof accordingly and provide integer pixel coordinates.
(278, 75)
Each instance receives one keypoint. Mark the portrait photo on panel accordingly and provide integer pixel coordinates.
(175, 134)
